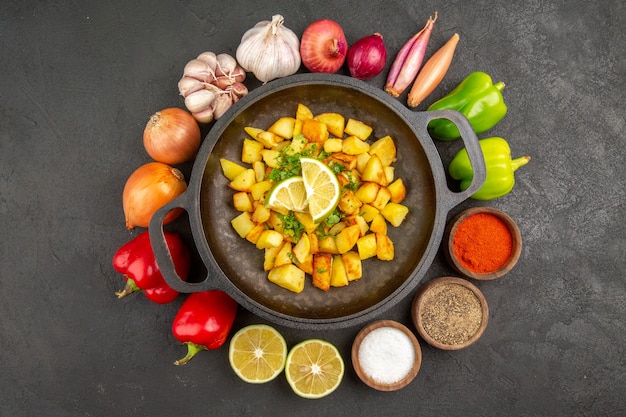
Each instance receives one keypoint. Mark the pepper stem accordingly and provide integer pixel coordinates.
(129, 288)
(499, 85)
(192, 350)
(519, 162)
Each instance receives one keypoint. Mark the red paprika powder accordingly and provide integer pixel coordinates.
(483, 243)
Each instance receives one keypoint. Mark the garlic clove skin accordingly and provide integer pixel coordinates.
(209, 58)
(226, 64)
(269, 50)
(238, 75)
(199, 70)
(199, 100)
(238, 90)
(213, 88)
(204, 116)
(222, 103)
(188, 85)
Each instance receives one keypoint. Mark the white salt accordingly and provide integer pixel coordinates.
(387, 355)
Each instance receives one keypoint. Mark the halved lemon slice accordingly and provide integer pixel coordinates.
(314, 368)
(289, 194)
(322, 188)
(257, 353)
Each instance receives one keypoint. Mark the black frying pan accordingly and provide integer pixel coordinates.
(235, 266)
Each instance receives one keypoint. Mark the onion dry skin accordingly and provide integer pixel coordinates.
(323, 47)
(367, 57)
(172, 136)
(149, 188)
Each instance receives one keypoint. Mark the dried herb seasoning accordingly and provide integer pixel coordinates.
(451, 313)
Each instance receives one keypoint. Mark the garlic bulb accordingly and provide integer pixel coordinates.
(211, 84)
(269, 50)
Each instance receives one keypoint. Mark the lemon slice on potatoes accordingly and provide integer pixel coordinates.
(322, 188)
(288, 194)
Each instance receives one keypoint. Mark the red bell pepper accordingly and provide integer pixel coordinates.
(135, 260)
(203, 322)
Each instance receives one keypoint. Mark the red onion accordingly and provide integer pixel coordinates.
(323, 46)
(367, 57)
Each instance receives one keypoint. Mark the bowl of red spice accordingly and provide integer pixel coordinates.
(482, 243)
(449, 313)
(386, 355)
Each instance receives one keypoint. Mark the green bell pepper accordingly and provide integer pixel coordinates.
(478, 99)
(500, 169)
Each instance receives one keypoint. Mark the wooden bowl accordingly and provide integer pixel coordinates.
(382, 336)
(449, 317)
(453, 260)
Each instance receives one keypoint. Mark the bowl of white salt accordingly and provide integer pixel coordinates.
(386, 355)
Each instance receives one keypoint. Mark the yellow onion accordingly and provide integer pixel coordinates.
(172, 136)
(148, 189)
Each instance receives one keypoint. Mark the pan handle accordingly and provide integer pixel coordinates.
(162, 253)
(470, 140)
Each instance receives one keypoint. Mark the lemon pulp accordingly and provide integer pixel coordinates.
(257, 353)
(314, 368)
(322, 188)
(289, 194)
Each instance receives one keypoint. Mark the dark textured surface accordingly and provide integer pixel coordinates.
(80, 80)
